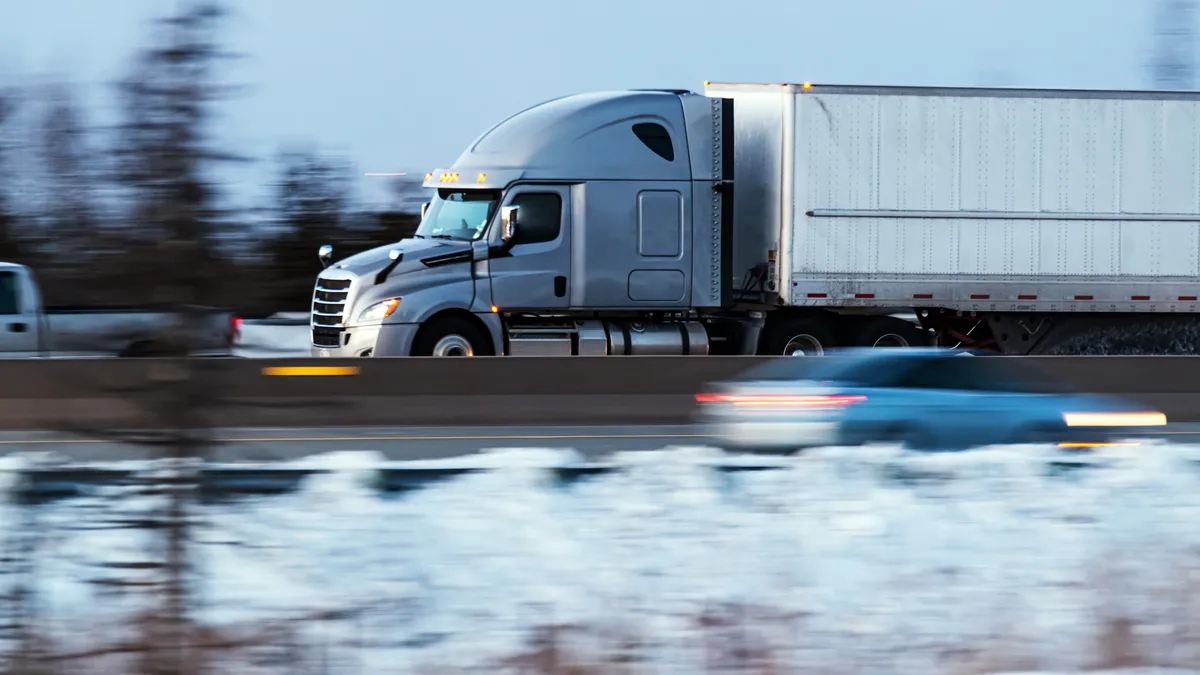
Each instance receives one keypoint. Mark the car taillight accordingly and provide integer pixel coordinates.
(782, 400)
(235, 330)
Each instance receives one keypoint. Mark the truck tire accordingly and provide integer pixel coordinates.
(808, 334)
(888, 331)
(451, 336)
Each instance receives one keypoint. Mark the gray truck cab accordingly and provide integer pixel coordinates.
(597, 223)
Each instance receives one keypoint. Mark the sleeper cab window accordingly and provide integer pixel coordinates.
(655, 137)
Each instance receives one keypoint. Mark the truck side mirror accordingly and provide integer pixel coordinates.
(324, 253)
(424, 208)
(508, 224)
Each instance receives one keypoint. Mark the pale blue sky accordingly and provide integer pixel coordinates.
(405, 85)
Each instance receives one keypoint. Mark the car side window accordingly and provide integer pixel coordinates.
(9, 302)
(1000, 375)
(540, 217)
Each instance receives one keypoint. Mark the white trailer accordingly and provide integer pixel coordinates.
(999, 216)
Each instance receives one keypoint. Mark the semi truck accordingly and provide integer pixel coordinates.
(790, 219)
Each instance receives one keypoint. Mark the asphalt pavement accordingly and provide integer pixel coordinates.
(406, 443)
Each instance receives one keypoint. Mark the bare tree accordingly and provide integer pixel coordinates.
(170, 238)
(408, 193)
(70, 241)
(10, 249)
(313, 198)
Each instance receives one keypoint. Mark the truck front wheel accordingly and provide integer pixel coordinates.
(451, 336)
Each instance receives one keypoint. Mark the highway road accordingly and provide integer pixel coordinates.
(398, 443)
(406, 443)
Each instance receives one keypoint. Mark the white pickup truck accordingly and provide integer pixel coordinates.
(29, 330)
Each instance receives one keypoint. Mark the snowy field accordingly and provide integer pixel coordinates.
(842, 561)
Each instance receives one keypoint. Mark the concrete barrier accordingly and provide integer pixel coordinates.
(107, 393)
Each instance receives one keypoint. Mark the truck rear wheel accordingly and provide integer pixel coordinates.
(808, 335)
(888, 331)
(451, 336)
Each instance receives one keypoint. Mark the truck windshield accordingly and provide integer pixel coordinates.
(459, 214)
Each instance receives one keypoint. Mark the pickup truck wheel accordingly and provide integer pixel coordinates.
(147, 350)
(451, 336)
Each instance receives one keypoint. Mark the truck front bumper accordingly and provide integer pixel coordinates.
(356, 341)
(393, 339)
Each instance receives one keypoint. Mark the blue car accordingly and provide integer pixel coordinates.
(925, 398)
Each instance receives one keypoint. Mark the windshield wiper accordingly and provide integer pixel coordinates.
(445, 236)
(418, 236)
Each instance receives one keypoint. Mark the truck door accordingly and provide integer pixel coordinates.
(18, 323)
(535, 272)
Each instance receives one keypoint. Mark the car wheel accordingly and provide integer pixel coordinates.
(919, 438)
(149, 349)
(1041, 435)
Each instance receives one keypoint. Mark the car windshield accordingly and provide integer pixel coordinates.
(869, 370)
(462, 214)
(1003, 374)
(889, 368)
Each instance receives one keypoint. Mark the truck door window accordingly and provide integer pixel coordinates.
(8, 294)
(657, 138)
(541, 217)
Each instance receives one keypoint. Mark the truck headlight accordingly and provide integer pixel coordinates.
(379, 311)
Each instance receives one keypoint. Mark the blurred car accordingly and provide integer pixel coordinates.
(925, 398)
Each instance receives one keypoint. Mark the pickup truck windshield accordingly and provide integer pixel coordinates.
(459, 214)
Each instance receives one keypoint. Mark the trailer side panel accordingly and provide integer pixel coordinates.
(995, 203)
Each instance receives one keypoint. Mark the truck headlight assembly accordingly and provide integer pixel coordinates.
(379, 311)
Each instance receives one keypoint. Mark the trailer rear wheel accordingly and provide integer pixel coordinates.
(888, 331)
(807, 335)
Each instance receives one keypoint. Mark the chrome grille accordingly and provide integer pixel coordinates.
(328, 311)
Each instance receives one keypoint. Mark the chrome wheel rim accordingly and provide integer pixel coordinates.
(453, 345)
(803, 345)
(891, 340)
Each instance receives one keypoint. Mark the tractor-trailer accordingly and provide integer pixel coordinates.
(792, 218)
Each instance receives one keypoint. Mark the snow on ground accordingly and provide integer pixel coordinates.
(840, 561)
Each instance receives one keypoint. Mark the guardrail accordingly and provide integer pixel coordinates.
(73, 394)
(223, 483)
